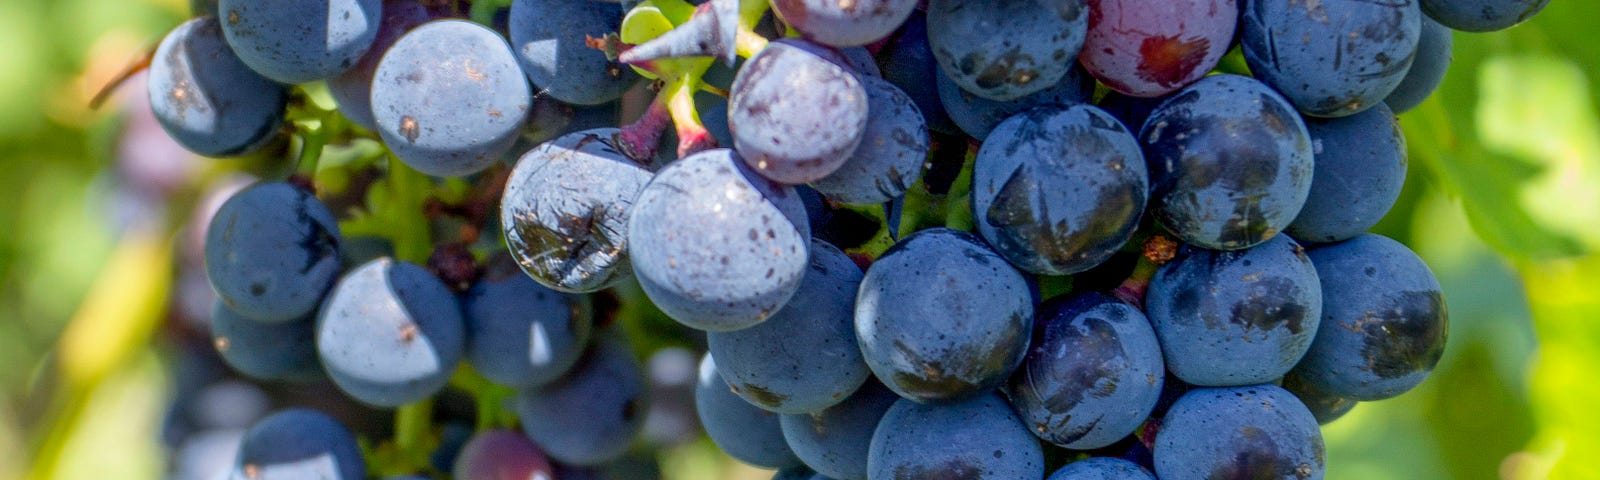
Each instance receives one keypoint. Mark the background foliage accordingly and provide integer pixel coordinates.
(1503, 202)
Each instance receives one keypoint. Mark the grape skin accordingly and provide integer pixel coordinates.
(979, 438)
(834, 441)
(1230, 163)
(449, 98)
(748, 434)
(941, 317)
(298, 41)
(844, 24)
(590, 415)
(796, 135)
(390, 333)
(804, 358)
(1102, 468)
(1057, 191)
(501, 455)
(892, 150)
(565, 211)
(1384, 322)
(1151, 48)
(714, 245)
(206, 98)
(907, 61)
(266, 351)
(272, 251)
(1003, 50)
(352, 90)
(1256, 431)
(1482, 15)
(977, 116)
(1325, 406)
(548, 38)
(1427, 71)
(1331, 58)
(521, 334)
(1360, 168)
(297, 444)
(1229, 318)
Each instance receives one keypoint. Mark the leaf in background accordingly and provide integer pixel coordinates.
(1565, 297)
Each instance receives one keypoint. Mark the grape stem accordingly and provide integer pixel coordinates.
(1157, 251)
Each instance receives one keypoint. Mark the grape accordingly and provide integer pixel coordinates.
(1151, 48)
(1242, 432)
(796, 135)
(298, 41)
(1330, 58)
(589, 416)
(1359, 170)
(548, 37)
(1102, 468)
(1230, 318)
(353, 88)
(834, 440)
(272, 251)
(716, 246)
(565, 211)
(1427, 71)
(1482, 15)
(941, 317)
(1003, 50)
(1384, 320)
(1230, 163)
(1324, 406)
(206, 98)
(1057, 190)
(861, 61)
(267, 351)
(889, 159)
(448, 98)
(206, 455)
(501, 455)
(977, 116)
(521, 334)
(907, 61)
(802, 359)
(297, 444)
(844, 24)
(1092, 374)
(793, 473)
(979, 438)
(354, 251)
(452, 438)
(748, 434)
(1131, 111)
(390, 333)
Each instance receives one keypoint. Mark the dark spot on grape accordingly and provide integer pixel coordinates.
(1407, 338)
(1168, 60)
(763, 396)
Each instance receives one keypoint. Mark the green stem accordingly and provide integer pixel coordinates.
(410, 189)
(413, 424)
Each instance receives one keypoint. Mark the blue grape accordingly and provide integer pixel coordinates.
(748, 434)
(297, 444)
(449, 98)
(1482, 15)
(834, 441)
(1360, 168)
(353, 88)
(1230, 163)
(716, 246)
(1330, 58)
(796, 134)
(298, 41)
(907, 61)
(1130, 110)
(844, 24)
(1384, 320)
(272, 251)
(977, 116)
(589, 416)
(206, 98)
(861, 61)
(266, 351)
(794, 473)
(522, 334)
(565, 211)
(805, 358)
(1229, 318)
(979, 438)
(1003, 50)
(390, 333)
(892, 150)
(1057, 191)
(941, 317)
(1102, 468)
(1434, 54)
(1324, 406)
(1092, 374)
(500, 455)
(1242, 432)
(548, 37)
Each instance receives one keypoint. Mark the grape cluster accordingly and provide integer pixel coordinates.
(978, 239)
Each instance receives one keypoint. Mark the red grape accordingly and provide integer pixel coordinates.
(1148, 48)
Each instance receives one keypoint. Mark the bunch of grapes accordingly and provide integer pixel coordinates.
(977, 239)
